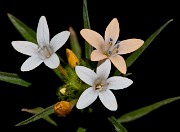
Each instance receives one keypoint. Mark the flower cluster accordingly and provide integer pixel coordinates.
(78, 75)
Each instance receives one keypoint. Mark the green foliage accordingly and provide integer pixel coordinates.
(74, 42)
(88, 47)
(23, 29)
(14, 79)
(133, 57)
(42, 114)
(117, 125)
(36, 111)
(135, 114)
(80, 129)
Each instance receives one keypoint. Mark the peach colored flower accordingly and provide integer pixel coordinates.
(108, 47)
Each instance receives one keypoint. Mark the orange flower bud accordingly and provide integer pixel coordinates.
(62, 108)
(72, 58)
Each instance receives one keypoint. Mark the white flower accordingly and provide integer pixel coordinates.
(45, 50)
(101, 85)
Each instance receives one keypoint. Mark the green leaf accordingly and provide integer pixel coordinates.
(37, 110)
(133, 115)
(23, 29)
(117, 125)
(42, 114)
(80, 129)
(75, 46)
(13, 78)
(88, 47)
(131, 59)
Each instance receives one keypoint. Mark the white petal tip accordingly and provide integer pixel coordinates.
(24, 70)
(115, 109)
(78, 106)
(112, 108)
(42, 17)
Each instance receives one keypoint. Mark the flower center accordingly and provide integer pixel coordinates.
(112, 49)
(100, 85)
(45, 52)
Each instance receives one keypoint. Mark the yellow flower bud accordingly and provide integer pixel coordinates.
(72, 58)
(62, 108)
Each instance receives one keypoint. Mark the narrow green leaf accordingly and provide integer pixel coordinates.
(133, 115)
(23, 29)
(75, 46)
(131, 59)
(37, 110)
(88, 47)
(13, 78)
(44, 113)
(117, 125)
(80, 129)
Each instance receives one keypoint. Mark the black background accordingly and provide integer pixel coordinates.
(155, 73)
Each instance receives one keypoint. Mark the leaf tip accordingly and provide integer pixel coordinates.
(9, 15)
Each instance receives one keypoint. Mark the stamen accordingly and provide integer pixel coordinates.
(110, 39)
(117, 46)
(100, 85)
(118, 42)
(108, 47)
(109, 52)
(45, 52)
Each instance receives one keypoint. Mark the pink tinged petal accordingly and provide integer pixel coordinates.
(118, 82)
(108, 99)
(86, 75)
(129, 45)
(87, 98)
(59, 40)
(104, 69)
(31, 63)
(112, 31)
(42, 32)
(25, 47)
(100, 62)
(52, 62)
(119, 63)
(97, 55)
(93, 38)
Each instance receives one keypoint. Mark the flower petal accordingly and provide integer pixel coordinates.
(118, 82)
(31, 63)
(25, 47)
(87, 98)
(104, 69)
(108, 99)
(93, 38)
(59, 40)
(129, 45)
(119, 63)
(42, 32)
(96, 55)
(112, 31)
(86, 74)
(52, 62)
